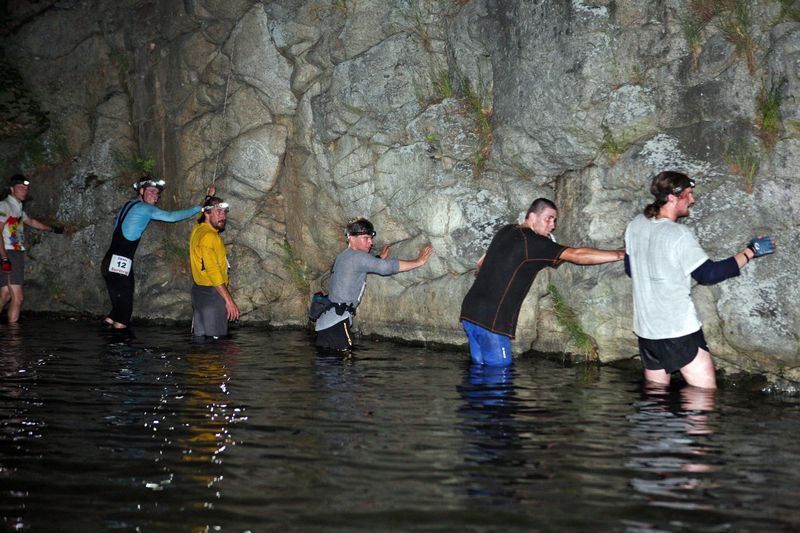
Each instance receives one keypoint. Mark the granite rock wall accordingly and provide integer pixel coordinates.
(438, 120)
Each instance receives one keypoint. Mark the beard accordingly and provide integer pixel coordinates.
(218, 225)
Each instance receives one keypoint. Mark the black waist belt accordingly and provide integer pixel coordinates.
(341, 308)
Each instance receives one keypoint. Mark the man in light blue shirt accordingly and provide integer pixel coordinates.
(132, 220)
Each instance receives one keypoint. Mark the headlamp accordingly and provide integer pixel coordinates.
(159, 184)
(359, 233)
(221, 205)
(677, 190)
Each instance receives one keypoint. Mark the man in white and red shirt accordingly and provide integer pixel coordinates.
(12, 254)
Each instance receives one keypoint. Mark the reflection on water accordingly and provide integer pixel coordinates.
(488, 415)
(674, 446)
(147, 430)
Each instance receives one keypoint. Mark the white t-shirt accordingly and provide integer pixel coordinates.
(662, 256)
(12, 217)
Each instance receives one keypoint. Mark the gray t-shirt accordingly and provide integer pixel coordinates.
(348, 280)
(662, 256)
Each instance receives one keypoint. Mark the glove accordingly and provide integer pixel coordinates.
(6, 264)
(761, 246)
(57, 229)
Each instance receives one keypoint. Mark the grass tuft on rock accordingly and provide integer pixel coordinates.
(481, 113)
(297, 268)
(769, 106)
(566, 317)
(736, 25)
(743, 161)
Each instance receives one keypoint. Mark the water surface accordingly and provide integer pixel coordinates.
(154, 433)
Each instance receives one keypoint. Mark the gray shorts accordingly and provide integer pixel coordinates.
(209, 316)
(17, 274)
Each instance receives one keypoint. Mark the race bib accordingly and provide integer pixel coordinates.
(120, 265)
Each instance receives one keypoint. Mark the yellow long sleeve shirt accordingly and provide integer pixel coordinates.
(207, 256)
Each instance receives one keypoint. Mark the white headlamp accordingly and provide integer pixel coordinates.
(159, 184)
(221, 205)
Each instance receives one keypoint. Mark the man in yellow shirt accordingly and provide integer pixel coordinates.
(212, 303)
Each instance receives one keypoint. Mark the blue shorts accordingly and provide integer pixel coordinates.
(487, 348)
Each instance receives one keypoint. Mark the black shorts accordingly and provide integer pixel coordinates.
(336, 337)
(670, 355)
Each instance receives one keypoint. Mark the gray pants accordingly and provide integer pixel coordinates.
(17, 274)
(209, 316)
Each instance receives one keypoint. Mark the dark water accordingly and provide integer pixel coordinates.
(99, 432)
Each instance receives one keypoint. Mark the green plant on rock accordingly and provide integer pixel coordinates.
(693, 30)
(443, 85)
(416, 17)
(297, 268)
(768, 104)
(611, 147)
(481, 114)
(745, 162)
(638, 76)
(442, 89)
(146, 162)
(790, 9)
(704, 10)
(135, 165)
(566, 317)
(736, 25)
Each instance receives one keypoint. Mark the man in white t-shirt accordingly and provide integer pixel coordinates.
(661, 257)
(12, 255)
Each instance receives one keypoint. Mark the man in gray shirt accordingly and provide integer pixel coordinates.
(349, 279)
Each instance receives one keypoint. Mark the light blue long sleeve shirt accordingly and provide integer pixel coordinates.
(142, 213)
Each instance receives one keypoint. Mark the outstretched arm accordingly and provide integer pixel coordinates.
(712, 272)
(154, 213)
(591, 256)
(32, 222)
(424, 255)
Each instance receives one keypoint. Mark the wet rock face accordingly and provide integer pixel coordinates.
(439, 121)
